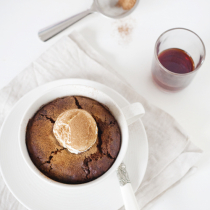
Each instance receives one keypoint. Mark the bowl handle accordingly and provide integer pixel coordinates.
(133, 112)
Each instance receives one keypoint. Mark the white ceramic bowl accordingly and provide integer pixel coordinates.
(123, 116)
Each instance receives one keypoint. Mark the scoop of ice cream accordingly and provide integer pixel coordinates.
(76, 130)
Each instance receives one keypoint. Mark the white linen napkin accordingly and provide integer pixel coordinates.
(171, 154)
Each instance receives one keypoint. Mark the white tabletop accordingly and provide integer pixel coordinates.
(131, 57)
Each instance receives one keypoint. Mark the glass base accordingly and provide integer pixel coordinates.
(164, 87)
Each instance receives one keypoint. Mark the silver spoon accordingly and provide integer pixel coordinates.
(128, 195)
(108, 8)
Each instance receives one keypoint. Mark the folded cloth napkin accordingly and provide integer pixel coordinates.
(171, 154)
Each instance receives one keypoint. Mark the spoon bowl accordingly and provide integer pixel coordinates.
(111, 9)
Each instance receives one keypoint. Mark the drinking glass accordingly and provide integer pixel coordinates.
(183, 39)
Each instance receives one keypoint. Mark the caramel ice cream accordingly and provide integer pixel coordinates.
(76, 130)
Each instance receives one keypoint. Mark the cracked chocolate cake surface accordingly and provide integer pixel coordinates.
(57, 162)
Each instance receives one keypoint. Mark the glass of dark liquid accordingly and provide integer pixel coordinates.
(179, 53)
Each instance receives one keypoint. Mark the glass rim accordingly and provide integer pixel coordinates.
(173, 73)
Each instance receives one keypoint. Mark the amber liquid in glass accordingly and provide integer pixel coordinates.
(176, 60)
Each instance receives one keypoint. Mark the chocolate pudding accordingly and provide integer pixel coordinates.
(73, 140)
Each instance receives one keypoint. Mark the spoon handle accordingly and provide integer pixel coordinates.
(129, 198)
(50, 31)
(128, 195)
